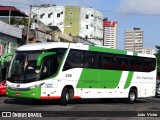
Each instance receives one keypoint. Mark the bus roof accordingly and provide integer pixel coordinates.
(42, 46)
(50, 45)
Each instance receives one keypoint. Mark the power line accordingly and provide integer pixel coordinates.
(129, 13)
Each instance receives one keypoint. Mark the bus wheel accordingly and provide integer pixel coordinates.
(65, 96)
(132, 96)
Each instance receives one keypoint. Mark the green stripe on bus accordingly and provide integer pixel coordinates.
(129, 79)
(107, 50)
(93, 78)
(41, 56)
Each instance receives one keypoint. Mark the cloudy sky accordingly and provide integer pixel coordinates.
(144, 14)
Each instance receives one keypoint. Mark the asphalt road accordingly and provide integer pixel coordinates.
(148, 108)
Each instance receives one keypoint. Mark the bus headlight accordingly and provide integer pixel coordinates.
(35, 86)
(32, 87)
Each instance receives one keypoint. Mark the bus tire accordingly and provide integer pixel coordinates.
(64, 96)
(132, 96)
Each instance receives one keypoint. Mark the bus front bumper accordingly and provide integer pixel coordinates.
(33, 93)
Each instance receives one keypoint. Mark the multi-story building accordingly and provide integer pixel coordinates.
(109, 33)
(73, 20)
(134, 40)
(147, 51)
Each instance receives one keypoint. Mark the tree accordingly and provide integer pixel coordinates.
(13, 21)
(19, 21)
(158, 60)
(24, 21)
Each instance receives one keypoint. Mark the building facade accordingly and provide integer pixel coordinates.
(9, 37)
(110, 33)
(134, 40)
(73, 20)
(147, 51)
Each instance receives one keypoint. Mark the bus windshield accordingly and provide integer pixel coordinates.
(23, 67)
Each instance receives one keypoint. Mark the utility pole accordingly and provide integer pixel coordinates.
(9, 16)
(29, 22)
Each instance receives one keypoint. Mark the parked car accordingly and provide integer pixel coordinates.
(158, 90)
(2, 82)
(3, 87)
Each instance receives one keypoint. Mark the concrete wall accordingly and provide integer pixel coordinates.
(72, 19)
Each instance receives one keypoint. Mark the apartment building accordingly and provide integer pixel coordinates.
(110, 33)
(134, 40)
(73, 20)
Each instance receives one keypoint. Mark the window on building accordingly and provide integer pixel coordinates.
(87, 16)
(41, 16)
(35, 15)
(58, 14)
(86, 26)
(49, 15)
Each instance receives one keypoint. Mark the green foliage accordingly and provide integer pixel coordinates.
(24, 21)
(19, 21)
(13, 21)
(158, 58)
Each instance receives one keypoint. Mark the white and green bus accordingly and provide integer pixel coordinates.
(67, 71)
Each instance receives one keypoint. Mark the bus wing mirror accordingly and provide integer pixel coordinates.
(42, 56)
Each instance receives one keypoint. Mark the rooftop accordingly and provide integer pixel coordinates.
(4, 11)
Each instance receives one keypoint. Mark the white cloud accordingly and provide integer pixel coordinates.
(140, 6)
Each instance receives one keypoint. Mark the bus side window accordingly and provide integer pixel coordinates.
(122, 63)
(86, 57)
(50, 66)
(93, 60)
(136, 64)
(75, 59)
(149, 65)
(107, 62)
